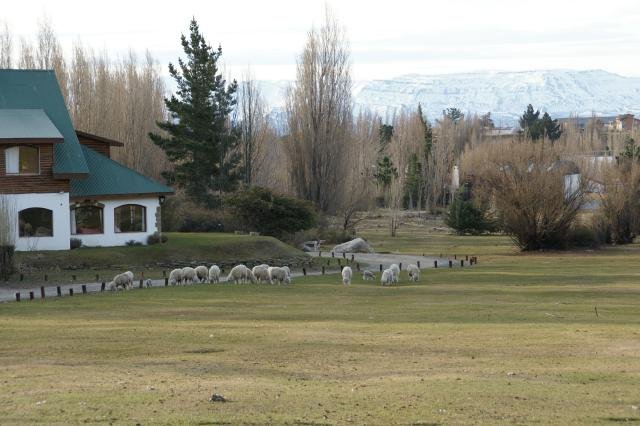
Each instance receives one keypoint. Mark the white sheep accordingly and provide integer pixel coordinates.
(347, 273)
(202, 273)
(241, 274)
(120, 281)
(175, 277)
(387, 277)
(130, 275)
(261, 272)
(278, 274)
(214, 274)
(414, 272)
(148, 282)
(396, 272)
(368, 275)
(188, 275)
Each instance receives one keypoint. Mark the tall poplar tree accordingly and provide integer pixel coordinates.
(200, 141)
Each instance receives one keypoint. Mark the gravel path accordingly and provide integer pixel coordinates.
(366, 260)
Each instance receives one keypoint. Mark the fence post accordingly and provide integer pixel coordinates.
(333, 254)
(17, 296)
(140, 282)
(328, 261)
(102, 286)
(70, 292)
(84, 289)
(461, 263)
(31, 297)
(46, 277)
(466, 257)
(435, 264)
(59, 291)
(344, 255)
(400, 266)
(304, 271)
(164, 274)
(451, 264)
(323, 270)
(340, 263)
(381, 267)
(455, 257)
(42, 292)
(418, 264)
(166, 281)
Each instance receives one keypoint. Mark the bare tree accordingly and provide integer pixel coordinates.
(8, 221)
(27, 59)
(6, 46)
(320, 117)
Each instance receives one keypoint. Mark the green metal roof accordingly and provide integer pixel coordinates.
(38, 89)
(27, 124)
(109, 177)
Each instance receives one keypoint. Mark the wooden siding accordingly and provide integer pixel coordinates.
(101, 147)
(44, 182)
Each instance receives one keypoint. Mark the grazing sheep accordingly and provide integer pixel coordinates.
(396, 272)
(130, 275)
(214, 274)
(387, 277)
(120, 281)
(261, 272)
(241, 274)
(347, 273)
(188, 275)
(202, 273)
(175, 277)
(278, 274)
(368, 275)
(148, 282)
(414, 272)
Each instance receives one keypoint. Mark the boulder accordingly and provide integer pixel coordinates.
(357, 245)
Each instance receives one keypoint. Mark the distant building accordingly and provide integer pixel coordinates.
(625, 122)
(61, 181)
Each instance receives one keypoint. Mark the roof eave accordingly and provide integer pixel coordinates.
(30, 141)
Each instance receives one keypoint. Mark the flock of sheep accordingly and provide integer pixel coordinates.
(201, 274)
(259, 274)
(390, 275)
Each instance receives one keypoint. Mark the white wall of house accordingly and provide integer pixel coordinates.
(112, 238)
(58, 203)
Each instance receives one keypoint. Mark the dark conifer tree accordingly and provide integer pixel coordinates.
(199, 138)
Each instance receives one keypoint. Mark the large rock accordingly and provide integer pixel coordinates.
(354, 246)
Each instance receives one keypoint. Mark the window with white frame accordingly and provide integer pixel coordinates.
(130, 218)
(22, 160)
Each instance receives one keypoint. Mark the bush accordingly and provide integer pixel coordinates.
(75, 243)
(583, 236)
(179, 214)
(133, 243)
(156, 238)
(6, 261)
(467, 218)
(261, 210)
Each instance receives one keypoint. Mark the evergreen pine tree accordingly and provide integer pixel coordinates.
(200, 141)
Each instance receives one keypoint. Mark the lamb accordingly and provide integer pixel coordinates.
(261, 272)
(202, 273)
(368, 275)
(188, 275)
(387, 277)
(288, 271)
(175, 277)
(240, 274)
(396, 272)
(148, 282)
(214, 274)
(414, 272)
(347, 273)
(120, 281)
(130, 275)
(278, 274)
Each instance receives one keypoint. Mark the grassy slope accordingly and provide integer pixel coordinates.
(181, 249)
(515, 339)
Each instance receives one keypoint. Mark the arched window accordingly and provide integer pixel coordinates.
(36, 222)
(130, 218)
(87, 218)
(22, 160)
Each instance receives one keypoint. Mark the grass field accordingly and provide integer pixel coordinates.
(515, 339)
(182, 249)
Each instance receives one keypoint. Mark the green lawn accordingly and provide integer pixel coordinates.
(182, 249)
(515, 339)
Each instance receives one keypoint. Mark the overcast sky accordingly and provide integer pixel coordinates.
(388, 38)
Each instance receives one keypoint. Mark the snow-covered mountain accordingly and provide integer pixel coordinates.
(504, 94)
